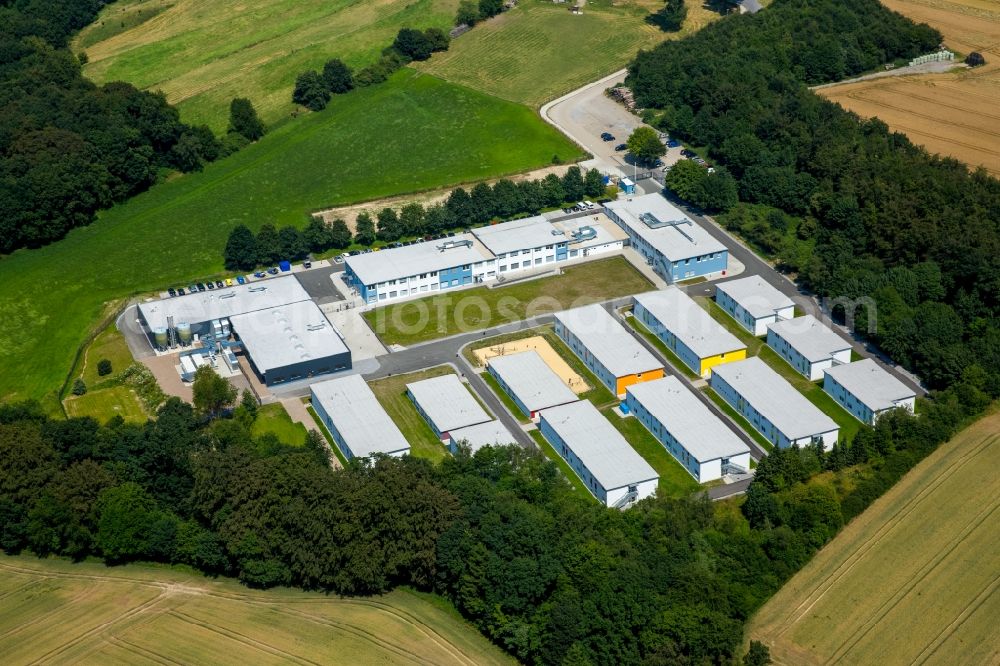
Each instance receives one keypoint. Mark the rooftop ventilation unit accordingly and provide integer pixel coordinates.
(228, 294)
(251, 289)
(583, 234)
(316, 327)
(654, 222)
(452, 244)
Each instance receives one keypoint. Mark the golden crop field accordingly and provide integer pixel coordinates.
(914, 580)
(53, 611)
(955, 114)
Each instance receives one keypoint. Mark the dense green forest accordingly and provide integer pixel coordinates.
(68, 147)
(852, 209)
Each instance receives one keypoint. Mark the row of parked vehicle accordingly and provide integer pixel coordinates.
(339, 259)
(205, 286)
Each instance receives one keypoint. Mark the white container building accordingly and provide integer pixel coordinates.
(354, 417)
(866, 390)
(808, 346)
(530, 382)
(753, 303)
(446, 404)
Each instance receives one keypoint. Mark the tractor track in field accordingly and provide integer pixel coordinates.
(959, 620)
(243, 639)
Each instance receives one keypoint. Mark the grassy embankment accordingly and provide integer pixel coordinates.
(106, 397)
(367, 144)
(912, 580)
(391, 392)
(57, 611)
(274, 419)
(466, 310)
(202, 55)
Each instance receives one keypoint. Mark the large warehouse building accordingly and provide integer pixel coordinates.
(446, 404)
(284, 334)
(692, 434)
(866, 390)
(606, 348)
(675, 246)
(772, 405)
(355, 419)
(807, 345)
(687, 330)
(600, 456)
(530, 382)
(753, 303)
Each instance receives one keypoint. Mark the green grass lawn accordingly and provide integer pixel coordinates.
(328, 435)
(505, 399)
(473, 309)
(391, 393)
(109, 344)
(561, 463)
(105, 403)
(412, 133)
(274, 419)
(673, 358)
(539, 50)
(203, 54)
(674, 479)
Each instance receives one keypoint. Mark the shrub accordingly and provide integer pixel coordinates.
(79, 386)
(103, 367)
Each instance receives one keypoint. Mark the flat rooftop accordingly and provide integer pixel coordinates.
(424, 257)
(598, 445)
(607, 340)
(447, 403)
(590, 231)
(756, 296)
(809, 337)
(524, 234)
(774, 398)
(675, 235)
(287, 334)
(691, 423)
(221, 303)
(876, 388)
(532, 380)
(491, 433)
(689, 322)
(358, 416)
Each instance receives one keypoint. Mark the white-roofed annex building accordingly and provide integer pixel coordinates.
(446, 404)
(692, 434)
(808, 345)
(675, 245)
(866, 390)
(771, 405)
(606, 348)
(753, 303)
(283, 332)
(688, 330)
(359, 425)
(525, 244)
(529, 382)
(610, 468)
(491, 433)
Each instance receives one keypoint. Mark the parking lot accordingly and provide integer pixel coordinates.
(319, 283)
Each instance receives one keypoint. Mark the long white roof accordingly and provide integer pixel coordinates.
(774, 398)
(525, 234)
(689, 322)
(531, 379)
(287, 334)
(756, 296)
(447, 403)
(684, 240)
(809, 337)
(358, 416)
(424, 257)
(598, 445)
(491, 433)
(221, 303)
(691, 423)
(876, 388)
(608, 340)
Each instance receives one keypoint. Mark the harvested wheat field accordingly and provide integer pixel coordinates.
(570, 377)
(914, 580)
(955, 114)
(54, 611)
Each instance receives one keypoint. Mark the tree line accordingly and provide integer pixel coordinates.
(463, 209)
(548, 575)
(313, 89)
(850, 208)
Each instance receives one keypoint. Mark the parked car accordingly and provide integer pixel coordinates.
(273, 270)
(193, 288)
(240, 279)
(397, 244)
(260, 274)
(229, 282)
(620, 147)
(687, 152)
(307, 264)
(354, 253)
(367, 251)
(172, 292)
(201, 286)
(673, 143)
(220, 284)
(339, 259)
(180, 291)
(211, 285)
(607, 136)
